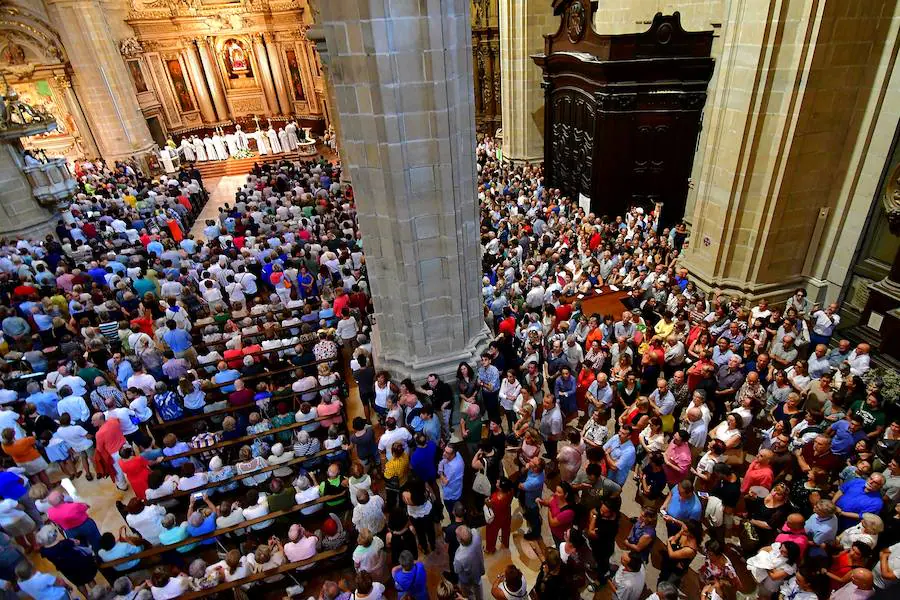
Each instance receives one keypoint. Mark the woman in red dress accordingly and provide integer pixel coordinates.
(500, 502)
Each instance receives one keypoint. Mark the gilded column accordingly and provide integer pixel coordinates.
(212, 77)
(278, 75)
(522, 25)
(268, 87)
(207, 111)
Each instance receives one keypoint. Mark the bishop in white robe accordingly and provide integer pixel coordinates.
(283, 140)
(273, 141)
(260, 138)
(242, 141)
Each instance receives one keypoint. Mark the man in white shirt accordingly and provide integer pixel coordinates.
(393, 434)
(818, 363)
(628, 583)
(74, 405)
(824, 323)
(74, 382)
(306, 492)
(859, 359)
(142, 381)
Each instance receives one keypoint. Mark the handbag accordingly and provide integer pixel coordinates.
(488, 514)
(481, 485)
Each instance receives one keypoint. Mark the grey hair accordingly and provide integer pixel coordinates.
(196, 519)
(197, 568)
(101, 592)
(667, 591)
(168, 521)
(47, 535)
(122, 585)
(407, 560)
(302, 483)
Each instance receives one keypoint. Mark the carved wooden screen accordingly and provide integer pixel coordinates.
(623, 112)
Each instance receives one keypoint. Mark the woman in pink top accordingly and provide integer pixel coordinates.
(561, 511)
(327, 407)
(73, 518)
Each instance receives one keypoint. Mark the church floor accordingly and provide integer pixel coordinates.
(102, 495)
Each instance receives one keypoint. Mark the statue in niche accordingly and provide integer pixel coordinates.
(13, 54)
(236, 59)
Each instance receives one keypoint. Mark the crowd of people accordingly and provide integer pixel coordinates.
(207, 377)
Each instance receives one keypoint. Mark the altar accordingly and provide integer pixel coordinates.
(307, 146)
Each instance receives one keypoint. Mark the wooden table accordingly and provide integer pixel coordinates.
(601, 302)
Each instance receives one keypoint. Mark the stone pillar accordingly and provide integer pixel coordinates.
(263, 62)
(101, 78)
(20, 213)
(73, 104)
(402, 75)
(212, 78)
(522, 25)
(782, 120)
(316, 35)
(281, 88)
(207, 111)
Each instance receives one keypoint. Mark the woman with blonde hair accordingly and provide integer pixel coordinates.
(866, 531)
(369, 554)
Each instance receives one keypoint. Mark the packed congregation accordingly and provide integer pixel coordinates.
(218, 376)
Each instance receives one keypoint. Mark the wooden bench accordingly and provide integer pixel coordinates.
(285, 568)
(159, 550)
(249, 438)
(291, 463)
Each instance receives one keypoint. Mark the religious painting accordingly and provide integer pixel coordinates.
(182, 92)
(13, 54)
(40, 95)
(294, 70)
(237, 59)
(137, 76)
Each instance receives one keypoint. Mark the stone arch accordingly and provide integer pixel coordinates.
(28, 39)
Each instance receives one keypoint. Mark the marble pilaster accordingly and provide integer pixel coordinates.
(281, 89)
(262, 59)
(402, 75)
(204, 100)
(210, 70)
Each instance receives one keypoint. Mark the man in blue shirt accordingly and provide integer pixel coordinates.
(451, 470)
(45, 402)
(489, 381)
(533, 487)
(179, 341)
(422, 459)
(620, 455)
(822, 525)
(225, 375)
(682, 505)
(844, 435)
(856, 497)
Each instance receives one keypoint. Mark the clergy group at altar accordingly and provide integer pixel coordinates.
(222, 146)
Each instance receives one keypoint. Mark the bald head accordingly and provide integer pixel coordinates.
(862, 578)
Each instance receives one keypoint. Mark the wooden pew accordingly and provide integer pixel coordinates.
(249, 438)
(159, 550)
(228, 410)
(291, 463)
(285, 568)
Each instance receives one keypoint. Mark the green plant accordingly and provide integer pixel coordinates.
(889, 382)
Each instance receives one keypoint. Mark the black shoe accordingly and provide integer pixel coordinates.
(531, 536)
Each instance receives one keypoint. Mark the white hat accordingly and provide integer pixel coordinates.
(215, 464)
(278, 449)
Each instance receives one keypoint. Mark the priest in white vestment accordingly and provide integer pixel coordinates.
(273, 140)
(199, 148)
(219, 145)
(231, 140)
(210, 148)
(166, 158)
(187, 150)
(291, 130)
(283, 140)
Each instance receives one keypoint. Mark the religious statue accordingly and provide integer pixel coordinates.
(13, 54)
(236, 59)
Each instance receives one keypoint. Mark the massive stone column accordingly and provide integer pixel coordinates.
(265, 74)
(207, 111)
(793, 106)
(402, 75)
(101, 79)
(212, 78)
(522, 25)
(278, 76)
